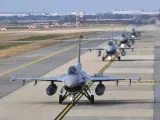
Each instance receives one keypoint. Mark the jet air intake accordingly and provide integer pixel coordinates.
(123, 52)
(100, 89)
(51, 90)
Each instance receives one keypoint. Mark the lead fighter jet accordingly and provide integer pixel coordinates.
(75, 81)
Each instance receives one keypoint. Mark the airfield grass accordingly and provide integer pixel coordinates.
(16, 36)
(40, 37)
(54, 36)
(10, 49)
(9, 45)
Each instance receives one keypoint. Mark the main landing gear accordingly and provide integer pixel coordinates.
(103, 58)
(90, 97)
(73, 95)
(119, 58)
(60, 99)
(63, 97)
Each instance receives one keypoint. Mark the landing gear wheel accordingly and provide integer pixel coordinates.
(92, 99)
(60, 99)
(119, 58)
(129, 46)
(103, 58)
(73, 102)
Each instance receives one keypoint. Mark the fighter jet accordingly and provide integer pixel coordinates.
(75, 81)
(110, 51)
(134, 33)
(125, 40)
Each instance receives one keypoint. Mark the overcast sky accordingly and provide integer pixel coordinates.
(66, 6)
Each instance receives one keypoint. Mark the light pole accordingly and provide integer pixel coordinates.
(124, 28)
(112, 30)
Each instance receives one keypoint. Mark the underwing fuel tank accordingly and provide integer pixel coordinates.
(100, 89)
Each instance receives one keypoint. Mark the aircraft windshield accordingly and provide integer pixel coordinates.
(110, 43)
(133, 30)
(72, 70)
(123, 35)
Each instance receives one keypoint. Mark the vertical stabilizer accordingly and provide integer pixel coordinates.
(79, 52)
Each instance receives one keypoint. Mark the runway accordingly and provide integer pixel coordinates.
(156, 77)
(121, 102)
(32, 64)
(124, 102)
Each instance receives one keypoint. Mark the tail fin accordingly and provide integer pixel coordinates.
(79, 52)
(112, 31)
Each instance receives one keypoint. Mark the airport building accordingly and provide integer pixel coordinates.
(136, 12)
(78, 13)
(12, 14)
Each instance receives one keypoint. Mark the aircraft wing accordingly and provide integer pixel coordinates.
(106, 39)
(117, 38)
(50, 78)
(92, 49)
(108, 78)
(122, 48)
(98, 78)
(134, 38)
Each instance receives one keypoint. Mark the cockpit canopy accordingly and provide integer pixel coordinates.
(72, 70)
(110, 42)
(133, 29)
(123, 35)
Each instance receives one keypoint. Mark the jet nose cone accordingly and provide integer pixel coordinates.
(71, 81)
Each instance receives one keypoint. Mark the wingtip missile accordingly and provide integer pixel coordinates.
(35, 83)
(23, 82)
(13, 78)
(81, 36)
(130, 81)
(117, 82)
(132, 49)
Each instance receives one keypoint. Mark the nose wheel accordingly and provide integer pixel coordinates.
(92, 99)
(60, 99)
(119, 58)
